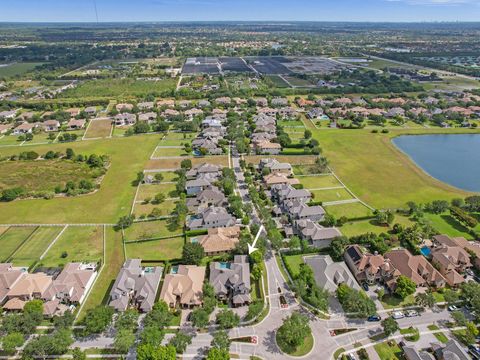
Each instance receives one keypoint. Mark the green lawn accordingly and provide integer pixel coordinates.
(150, 190)
(391, 301)
(168, 176)
(78, 243)
(158, 250)
(9, 140)
(318, 182)
(35, 246)
(377, 172)
(128, 156)
(293, 262)
(291, 123)
(439, 335)
(369, 226)
(447, 224)
(302, 350)
(166, 151)
(11, 239)
(387, 352)
(149, 230)
(114, 260)
(179, 136)
(351, 211)
(331, 195)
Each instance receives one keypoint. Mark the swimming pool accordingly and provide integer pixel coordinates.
(425, 250)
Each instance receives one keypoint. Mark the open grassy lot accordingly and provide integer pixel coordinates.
(150, 230)
(174, 163)
(377, 172)
(149, 191)
(370, 226)
(11, 239)
(99, 129)
(318, 182)
(119, 88)
(353, 210)
(165, 208)
(392, 301)
(387, 352)
(292, 159)
(39, 175)
(114, 198)
(158, 250)
(15, 69)
(168, 176)
(8, 140)
(447, 224)
(114, 260)
(294, 262)
(331, 195)
(168, 151)
(184, 136)
(40, 138)
(38, 242)
(80, 243)
(174, 142)
(291, 123)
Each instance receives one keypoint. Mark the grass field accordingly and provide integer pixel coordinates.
(11, 239)
(128, 156)
(318, 182)
(168, 176)
(15, 69)
(377, 172)
(174, 163)
(149, 230)
(149, 191)
(353, 210)
(43, 175)
(119, 88)
(158, 250)
(369, 226)
(292, 159)
(167, 151)
(8, 140)
(447, 224)
(387, 352)
(99, 129)
(331, 195)
(277, 81)
(38, 242)
(165, 208)
(294, 262)
(80, 243)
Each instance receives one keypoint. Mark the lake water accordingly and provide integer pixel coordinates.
(453, 159)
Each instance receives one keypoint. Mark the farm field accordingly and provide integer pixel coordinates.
(12, 238)
(150, 230)
(157, 250)
(128, 156)
(43, 175)
(77, 243)
(38, 242)
(377, 172)
(119, 88)
(99, 129)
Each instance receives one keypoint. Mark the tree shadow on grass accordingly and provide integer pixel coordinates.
(450, 220)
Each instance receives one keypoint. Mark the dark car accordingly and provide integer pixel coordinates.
(374, 318)
(365, 287)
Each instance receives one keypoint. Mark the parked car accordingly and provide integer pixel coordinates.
(411, 313)
(373, 318)
(453, 308)
(351, 357)
(365, 287)
(469, 272)
(398, 315)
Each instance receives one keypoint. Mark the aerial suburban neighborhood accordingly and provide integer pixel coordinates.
(239, 190)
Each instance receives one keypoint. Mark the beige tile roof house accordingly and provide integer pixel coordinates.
(471, 246)
(220, 240)
(75, 124)
(279, 178)
(167, 103)
(124, 107)
(452, 260)
(9, 276)
(416, 267)
(183, 286)
(267, 147)
(30, 286)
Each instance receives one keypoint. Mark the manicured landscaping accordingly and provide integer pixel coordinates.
(77, 243)
(447, 224)
(439, 335)
(351, 211)
(392, 301)
(294, 262)
(302, 350)
(157, 250)
(389, 351)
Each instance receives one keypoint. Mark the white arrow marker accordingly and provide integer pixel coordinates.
(252, 248)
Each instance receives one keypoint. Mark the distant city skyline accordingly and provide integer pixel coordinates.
(238, 10)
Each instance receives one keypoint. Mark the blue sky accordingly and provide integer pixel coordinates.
(205, 10)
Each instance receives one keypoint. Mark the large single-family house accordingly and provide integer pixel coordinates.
(298, 210)
(9, 276)
(24, 128)
(195, 186)
(450, 259)
(279, 179)
(282, 193)
(125, 119)
(74, 124)
(149, 117)
(231, 281)
(123, 107)
(275, 166)
(219, 240)
(317, 235)
(183, 286)
(51, 125)
(135, 286)
(209, 218)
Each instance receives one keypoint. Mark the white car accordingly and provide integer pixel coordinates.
(398, 315)
(411, 313)
(453, 308)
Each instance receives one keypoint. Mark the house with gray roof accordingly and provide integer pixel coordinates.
(275, 166)
(210, 217)
(209, 196)
(203, 169)
(124, 119)
(231, 281)
(298, 210)
(195, 186)
(329, 274)
(282, 193)
(317, 235)
(135, 286)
